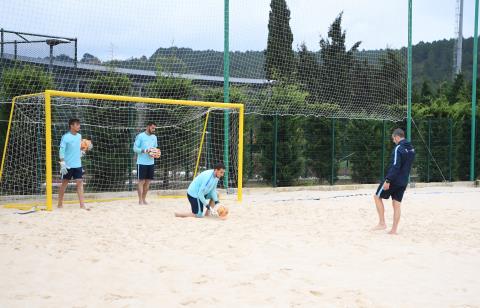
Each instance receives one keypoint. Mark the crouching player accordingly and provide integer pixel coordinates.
(202, 194)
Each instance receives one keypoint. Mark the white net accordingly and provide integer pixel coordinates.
(273, 44)
(185, 137)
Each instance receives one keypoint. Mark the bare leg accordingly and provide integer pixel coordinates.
(381, 213)
(61, 193)
(80, 194)
(183, 215)
(146, 186)
(140, 191)
(396, 216)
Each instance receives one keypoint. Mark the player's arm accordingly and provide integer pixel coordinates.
(63, 165)
(137, 146)
(395, 168)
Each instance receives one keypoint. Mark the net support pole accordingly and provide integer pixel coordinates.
(384, 129)
(450, 148)
(241, 119)
(332, 171)
(429, 148)
(409, 74)
(226, 90)
(48, 150)
(275, 146)
(250, 170)
(474, 96)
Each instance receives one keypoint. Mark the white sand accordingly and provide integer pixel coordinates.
(274, 251)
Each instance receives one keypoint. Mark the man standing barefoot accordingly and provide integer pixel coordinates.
(396, 181)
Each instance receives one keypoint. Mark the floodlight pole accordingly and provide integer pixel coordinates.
(54, 42)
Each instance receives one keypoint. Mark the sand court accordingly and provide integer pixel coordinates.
(277, 249)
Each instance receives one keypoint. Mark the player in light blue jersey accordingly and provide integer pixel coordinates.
(70, 162)
(145, 143)
(202, 192)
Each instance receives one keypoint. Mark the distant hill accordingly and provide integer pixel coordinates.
(431, 61)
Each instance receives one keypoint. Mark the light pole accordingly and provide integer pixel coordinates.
(54, 42)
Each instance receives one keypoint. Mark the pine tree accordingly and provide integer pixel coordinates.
(279, 56)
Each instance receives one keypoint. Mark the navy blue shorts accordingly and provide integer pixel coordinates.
(395, 191)
(73, 173)
(196, 205)
(145, 172)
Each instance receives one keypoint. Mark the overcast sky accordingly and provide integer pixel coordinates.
(135, 28)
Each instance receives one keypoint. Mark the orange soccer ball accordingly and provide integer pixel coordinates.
(86, 145)
(222, 211)
(155, 153)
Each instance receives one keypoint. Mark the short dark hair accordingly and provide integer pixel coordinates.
(73, 121)
(219, 166)
(150, 123)
(398, 132)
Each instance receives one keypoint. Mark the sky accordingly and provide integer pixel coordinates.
(121, 29)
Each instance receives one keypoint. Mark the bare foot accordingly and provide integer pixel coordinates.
(379, 227)
(140, 202)
(145, 202)
(86, 208)
(392, 232)
(60, 206)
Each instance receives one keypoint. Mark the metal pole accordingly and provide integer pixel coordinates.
(450, 148)
(75, 64)
(275, 145)
(384, 129)
(250, 173)
(50, 65)
(409, 73)
(429, 148)
(474, 96)
(1, 48)
(15, 51)
(332, 173)
(226, 90)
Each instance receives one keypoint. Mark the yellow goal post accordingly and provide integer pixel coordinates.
(191, 129)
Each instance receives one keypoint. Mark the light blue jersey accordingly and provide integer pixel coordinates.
(205, 184)
(70, 150)
(144, 142)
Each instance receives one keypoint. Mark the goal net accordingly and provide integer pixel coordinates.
(191, 135)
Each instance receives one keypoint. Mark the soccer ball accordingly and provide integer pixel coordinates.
(222, 211)
(86, 145)
(154, 153)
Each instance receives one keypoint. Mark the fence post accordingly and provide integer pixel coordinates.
(275, 145)
(450, 148)
(250, 171)
(332, 174)
(429, 150)
(384, 129)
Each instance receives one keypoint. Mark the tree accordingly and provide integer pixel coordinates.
(90, 59)
(308, 70)
(279, 56)
(318, 148)
(21, 80)
(290, 161)
(458, 91)
(214, 145)
(108, 166)
(336, 64)
(167, 86)
(426, 94)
